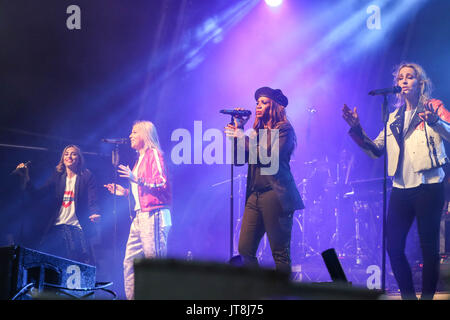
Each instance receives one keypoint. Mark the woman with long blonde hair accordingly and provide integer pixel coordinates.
(424, 89)
(415, 136)
(151, 194)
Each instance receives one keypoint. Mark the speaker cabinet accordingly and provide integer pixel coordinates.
(170, 279)
(27, 274)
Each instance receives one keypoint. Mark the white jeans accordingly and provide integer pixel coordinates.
(147, 239)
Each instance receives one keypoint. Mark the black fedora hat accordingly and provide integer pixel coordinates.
(274, 94)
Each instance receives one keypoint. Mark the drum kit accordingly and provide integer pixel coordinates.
(340, 214)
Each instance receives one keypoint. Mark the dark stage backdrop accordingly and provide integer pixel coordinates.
(74, 72)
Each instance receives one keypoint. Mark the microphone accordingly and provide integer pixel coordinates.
(237, 113)
(311, 162)
(391, 90)
(311, 110)
(116, 141)
(17, 169)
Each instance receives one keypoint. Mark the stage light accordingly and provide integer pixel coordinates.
(274, 3)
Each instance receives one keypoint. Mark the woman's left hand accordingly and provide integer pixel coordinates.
(233, 132)
(230, 131)
(95, 217)
(125, 172)
(429, 115)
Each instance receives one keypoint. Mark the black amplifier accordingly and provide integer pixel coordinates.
(27, 274)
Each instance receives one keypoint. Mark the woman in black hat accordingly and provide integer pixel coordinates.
(271, 195)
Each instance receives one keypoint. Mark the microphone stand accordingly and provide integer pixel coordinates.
(232, 200)
(383, 267)
(115, 163)
(385, 118)
(239, 219)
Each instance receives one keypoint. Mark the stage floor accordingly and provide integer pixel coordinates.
(437, 296)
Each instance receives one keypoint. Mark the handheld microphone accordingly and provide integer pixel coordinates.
(236, 113)
(391, 90)
(311, 110)
(17, 169)
(116, 141)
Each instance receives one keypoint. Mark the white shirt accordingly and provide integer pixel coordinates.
(67, 211)
(134, 186)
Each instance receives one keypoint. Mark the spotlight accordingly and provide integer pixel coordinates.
(273, 3)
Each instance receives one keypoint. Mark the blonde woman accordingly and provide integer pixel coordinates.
(150, 190)
(416, 154)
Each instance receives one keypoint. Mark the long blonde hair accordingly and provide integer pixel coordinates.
(60, 167)
(425, 84)
(148, 132)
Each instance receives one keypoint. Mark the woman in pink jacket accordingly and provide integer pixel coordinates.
(151, 193)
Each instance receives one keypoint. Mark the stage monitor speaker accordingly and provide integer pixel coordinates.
(447, 237)
(334, 266)
(444, 234)
(27, 274)
(170, 279)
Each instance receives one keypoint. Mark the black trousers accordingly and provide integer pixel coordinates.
(424, 203)
(68, 242)
(263, 214)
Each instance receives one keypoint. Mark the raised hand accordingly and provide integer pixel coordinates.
(22, 170)
(351, 117)
(232, 131)
(236, 130)
(240, 121)
(95, 217)
(120, 191)
(429, 115)
(125, 172)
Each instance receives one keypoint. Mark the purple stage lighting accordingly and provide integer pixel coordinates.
(274, 3)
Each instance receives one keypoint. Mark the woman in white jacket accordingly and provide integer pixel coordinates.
(416, 154)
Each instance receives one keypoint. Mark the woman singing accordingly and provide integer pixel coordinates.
(416, 154)
(271, 195)
(152, 197)
(69, 222)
